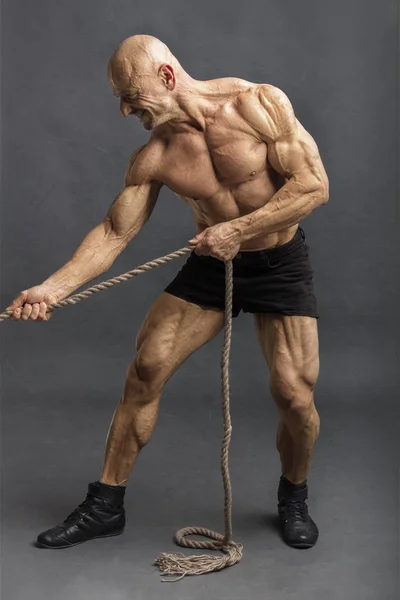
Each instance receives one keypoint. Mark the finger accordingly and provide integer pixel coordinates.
(35, 311)
(16, 316)
(196, 239)
(26, 311)
(42, 311)
(47, 316)
(17, 302)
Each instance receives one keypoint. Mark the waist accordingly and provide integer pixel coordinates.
(249, 255)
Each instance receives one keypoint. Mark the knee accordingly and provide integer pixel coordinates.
(293, 389)
(146, 372)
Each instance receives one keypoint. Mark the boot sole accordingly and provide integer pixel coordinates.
(301, 545)
(95, 537)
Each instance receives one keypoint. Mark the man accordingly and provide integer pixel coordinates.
(236, 153)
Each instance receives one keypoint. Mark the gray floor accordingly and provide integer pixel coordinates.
(53, 440)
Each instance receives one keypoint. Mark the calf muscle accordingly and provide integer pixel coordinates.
(171, 332)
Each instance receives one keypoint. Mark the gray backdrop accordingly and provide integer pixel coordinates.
(64, 152)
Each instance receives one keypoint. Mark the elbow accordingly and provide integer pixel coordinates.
(323, 188)
(324, 191)
(115, 239)
(323, 194)
(108, 226)
(316, 185)
(318, 194)
(320, 191)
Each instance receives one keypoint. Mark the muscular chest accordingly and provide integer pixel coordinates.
(200, 164)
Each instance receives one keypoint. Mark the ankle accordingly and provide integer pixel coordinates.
(292, 484)
(111, 483)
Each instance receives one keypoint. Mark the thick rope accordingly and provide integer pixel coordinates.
(153, 264)
(179, 564)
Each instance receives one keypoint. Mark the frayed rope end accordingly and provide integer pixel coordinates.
(179, 564)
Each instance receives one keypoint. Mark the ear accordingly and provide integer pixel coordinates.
(167, 75)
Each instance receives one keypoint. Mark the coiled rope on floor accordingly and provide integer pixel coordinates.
(179, 564)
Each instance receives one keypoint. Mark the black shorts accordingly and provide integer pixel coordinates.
(278, 280)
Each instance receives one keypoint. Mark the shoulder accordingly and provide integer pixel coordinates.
(143, 163)
(268, 110)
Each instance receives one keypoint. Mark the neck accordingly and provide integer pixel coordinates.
(196, 100)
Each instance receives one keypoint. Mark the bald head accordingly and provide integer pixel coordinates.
(148, 79)
(141, 55)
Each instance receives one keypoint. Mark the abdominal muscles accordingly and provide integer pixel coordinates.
(229, 203)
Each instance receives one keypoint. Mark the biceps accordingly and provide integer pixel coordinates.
(131, 209)
(298, 159)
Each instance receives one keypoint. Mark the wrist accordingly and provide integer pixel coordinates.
(53, 290)
(239, 230)
(58, 286)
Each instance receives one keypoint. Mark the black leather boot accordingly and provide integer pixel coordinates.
(298, 528)
(101, 514)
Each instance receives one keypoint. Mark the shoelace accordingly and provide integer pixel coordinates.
(296, 510)
(81, 509)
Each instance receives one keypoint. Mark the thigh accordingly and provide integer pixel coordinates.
(202, 281)
(290, 346)
(172, 330)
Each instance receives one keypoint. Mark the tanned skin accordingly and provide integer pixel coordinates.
(235, 152)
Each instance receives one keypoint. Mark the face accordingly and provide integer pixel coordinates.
(145, 98)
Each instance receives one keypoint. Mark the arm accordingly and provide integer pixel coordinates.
(102, 245)
(293, 153)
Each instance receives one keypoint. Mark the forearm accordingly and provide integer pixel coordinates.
(292, 203)
(126, 216)
(94, 256)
